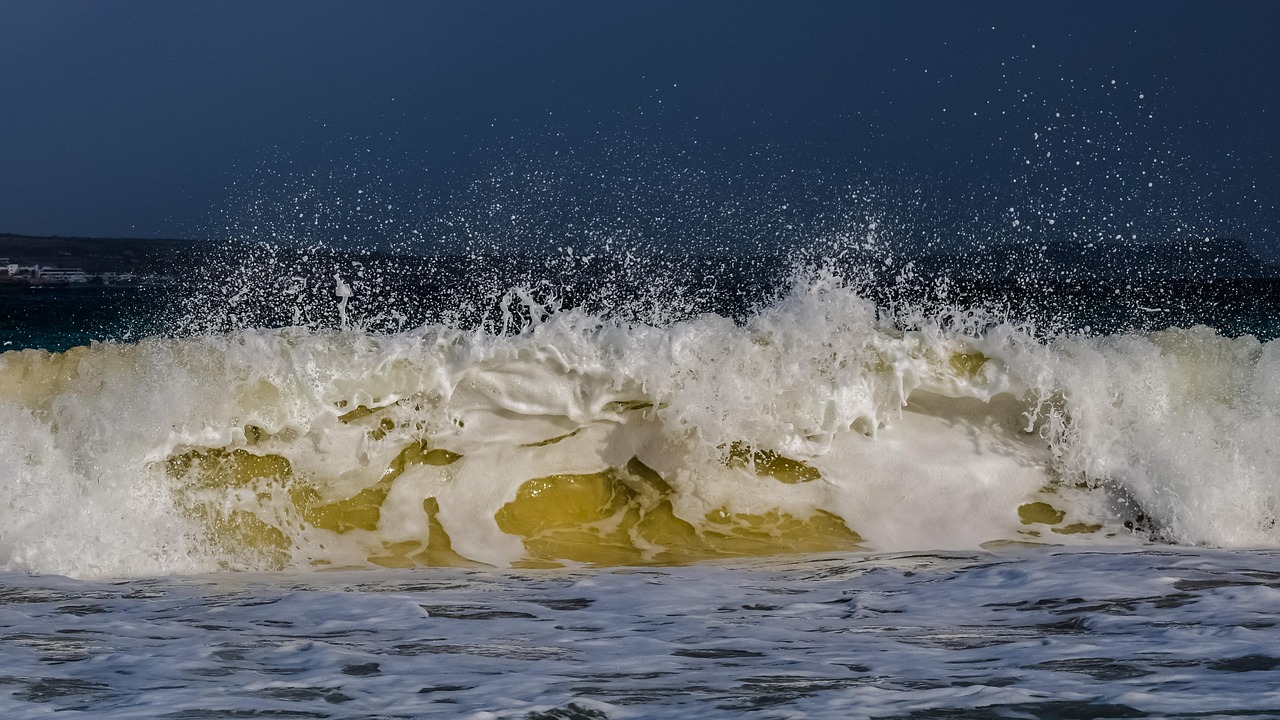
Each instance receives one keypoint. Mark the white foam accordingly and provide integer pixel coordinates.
(915, 449)
(1020, 633)
(1186, 422)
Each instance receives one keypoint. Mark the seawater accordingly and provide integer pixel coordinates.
(824, 501)
(1014, 633)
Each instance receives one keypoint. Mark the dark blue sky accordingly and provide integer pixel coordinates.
(137, 118)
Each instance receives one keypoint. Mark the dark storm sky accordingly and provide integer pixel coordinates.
(133, 118)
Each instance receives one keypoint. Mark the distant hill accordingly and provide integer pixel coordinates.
(1107, 262)
(95, 254)
(1059, 263)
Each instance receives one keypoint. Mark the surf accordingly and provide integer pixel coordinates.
(821, 421)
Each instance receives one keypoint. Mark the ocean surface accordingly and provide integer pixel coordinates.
(321, 484)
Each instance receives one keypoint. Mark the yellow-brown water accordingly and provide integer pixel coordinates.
(251, 506)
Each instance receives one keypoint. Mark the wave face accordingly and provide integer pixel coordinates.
(820, 422)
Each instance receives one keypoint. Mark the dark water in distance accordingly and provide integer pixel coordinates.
(1057, 287)
(61, 317)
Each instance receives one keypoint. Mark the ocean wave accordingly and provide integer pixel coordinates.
(822, 421)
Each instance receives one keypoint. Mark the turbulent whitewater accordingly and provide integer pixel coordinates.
(822, 421)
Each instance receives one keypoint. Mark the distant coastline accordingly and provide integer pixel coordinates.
(27, 260)
(14, 273)
(70, 262)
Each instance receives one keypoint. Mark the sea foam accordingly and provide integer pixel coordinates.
(821, 421)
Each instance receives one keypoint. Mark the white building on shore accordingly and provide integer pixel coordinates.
(38, 274)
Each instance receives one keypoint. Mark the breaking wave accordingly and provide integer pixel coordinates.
(822, 421)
